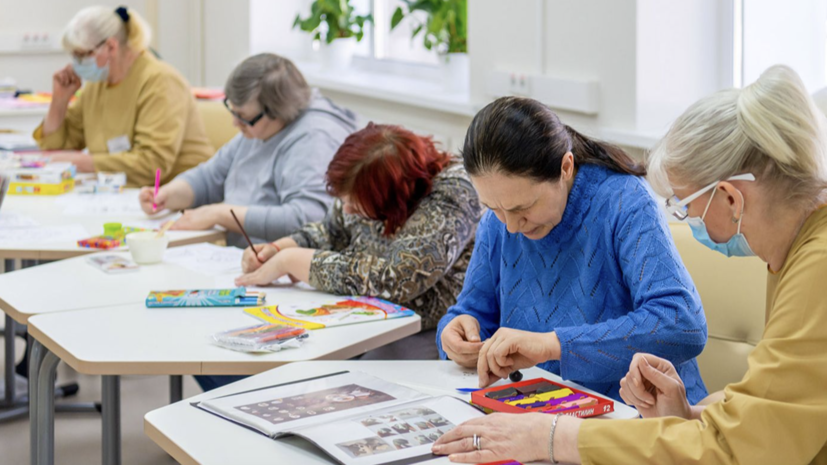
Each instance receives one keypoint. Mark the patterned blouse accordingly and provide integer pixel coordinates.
(421, 267)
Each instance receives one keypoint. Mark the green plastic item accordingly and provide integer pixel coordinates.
(113, 229)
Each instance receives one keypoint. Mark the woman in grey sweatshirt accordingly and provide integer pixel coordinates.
(271, 174)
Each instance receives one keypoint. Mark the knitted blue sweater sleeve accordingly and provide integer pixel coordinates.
(478, 297)
(667, 318)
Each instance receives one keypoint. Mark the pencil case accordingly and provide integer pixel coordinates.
(261, 338)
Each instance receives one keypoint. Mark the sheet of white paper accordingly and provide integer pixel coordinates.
(100, 204)
(42, 235)
(207, 258)
(14, 220)
(153, 223)
(227, 281)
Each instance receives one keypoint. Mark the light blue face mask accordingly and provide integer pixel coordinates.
(736, 246)
(88, 69)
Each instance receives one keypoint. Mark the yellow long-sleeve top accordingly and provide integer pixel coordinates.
(778, 413)
(155, 111)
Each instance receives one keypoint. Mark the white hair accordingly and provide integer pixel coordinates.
(94, 24)
(770, 128)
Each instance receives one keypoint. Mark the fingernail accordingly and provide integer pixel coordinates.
(637, 383)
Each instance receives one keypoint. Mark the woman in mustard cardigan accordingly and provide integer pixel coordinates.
(134, 115)
(746, 169)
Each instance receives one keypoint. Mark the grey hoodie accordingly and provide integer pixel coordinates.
(281, 179)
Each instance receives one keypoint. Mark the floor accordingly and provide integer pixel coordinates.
(77, 435)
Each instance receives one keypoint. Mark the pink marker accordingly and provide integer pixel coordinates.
(157, 185)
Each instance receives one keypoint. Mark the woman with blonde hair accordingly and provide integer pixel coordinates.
(746, 169)
(134, 115)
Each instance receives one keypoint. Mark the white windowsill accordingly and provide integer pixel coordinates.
(423, 93)
(389, 87)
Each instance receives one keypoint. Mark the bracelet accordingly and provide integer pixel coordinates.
(278, 249)
(551, 438)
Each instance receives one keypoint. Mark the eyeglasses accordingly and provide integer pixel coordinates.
(80, 56)
(251, 122)
(678, 207)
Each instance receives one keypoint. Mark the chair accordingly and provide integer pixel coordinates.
(733, 292)
(217, 121)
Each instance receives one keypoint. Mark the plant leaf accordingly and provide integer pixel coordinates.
(397, 18)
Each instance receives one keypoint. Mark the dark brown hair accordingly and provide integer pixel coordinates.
(522, 137)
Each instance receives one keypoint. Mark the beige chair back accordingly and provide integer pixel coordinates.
(733, 292)
(217, 121)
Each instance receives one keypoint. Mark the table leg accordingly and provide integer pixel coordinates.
(8, 336)
(176, 388)
(111, 400)
(35, 361)
(43, 405)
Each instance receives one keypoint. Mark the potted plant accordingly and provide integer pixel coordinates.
(445, 30)
(341, 26)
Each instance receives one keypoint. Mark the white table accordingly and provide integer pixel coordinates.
(74, 284)
(193, 436)
(47, 210)
(23, 119)
(132, 339)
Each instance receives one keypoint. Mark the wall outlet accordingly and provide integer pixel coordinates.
(37, 41)
(579, 95)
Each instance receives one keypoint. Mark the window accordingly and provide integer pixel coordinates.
(767, 32)
(380, 43)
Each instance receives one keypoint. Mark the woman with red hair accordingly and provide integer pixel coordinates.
(402, 229)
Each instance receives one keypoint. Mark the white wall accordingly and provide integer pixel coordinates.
(34, 70)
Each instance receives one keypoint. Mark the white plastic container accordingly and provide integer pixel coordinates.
(337, 55)
(146, 248)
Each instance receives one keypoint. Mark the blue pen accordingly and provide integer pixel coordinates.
(468, 390)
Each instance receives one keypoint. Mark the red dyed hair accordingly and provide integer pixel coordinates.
(386, 170)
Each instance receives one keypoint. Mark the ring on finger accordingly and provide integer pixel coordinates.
(477, 440)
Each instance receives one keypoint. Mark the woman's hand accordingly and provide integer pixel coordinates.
(64, 85)
(503, 436)
(148, 198)
(197, 219)
(250, 263)
(654, 388)
(461, 340)
(293, 262)
(509, 350)
(82, 161)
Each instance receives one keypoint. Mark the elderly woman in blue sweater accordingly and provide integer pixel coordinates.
(573, 268)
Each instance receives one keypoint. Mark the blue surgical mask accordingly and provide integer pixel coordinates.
(88, 69)
(736, 246)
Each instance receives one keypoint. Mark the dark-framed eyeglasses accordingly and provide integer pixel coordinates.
(83, 55)
(250, 122)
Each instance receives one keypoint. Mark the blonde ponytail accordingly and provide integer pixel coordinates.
(771, 129)
(94, 24)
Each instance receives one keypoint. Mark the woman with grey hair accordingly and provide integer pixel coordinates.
(135, 114)
(272, 174)
(747, 169)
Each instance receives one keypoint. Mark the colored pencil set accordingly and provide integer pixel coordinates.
(238, 297)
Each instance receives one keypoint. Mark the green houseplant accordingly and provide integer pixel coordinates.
(446, 25)
(444, 30)
(341, 26)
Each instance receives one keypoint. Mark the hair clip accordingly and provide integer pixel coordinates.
(121, 11)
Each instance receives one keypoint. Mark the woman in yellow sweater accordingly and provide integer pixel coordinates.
(746, 168)
(134, 115)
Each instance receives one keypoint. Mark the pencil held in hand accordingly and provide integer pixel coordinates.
(243, 232)
(157, 185)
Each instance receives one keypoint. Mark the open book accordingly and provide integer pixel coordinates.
(355, 418)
